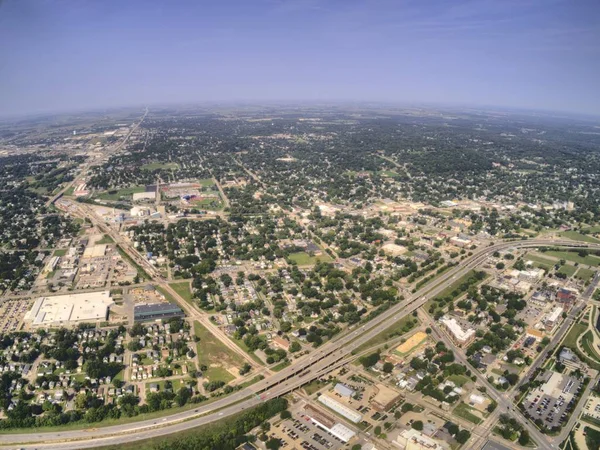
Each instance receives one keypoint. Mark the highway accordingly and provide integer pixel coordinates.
(307, 368)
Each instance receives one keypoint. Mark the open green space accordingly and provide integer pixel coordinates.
(466, 412)
(216, 373)
(539, 261)
(241, 344)
(585, 274)
(106, 239)
(212, 351)
(587, 343)
(160, 165)
(120, 194)
(459, 380)
(60, 252)
(592, 438)
(571, 338)
(574, 235)
(280, 366)
(389, 173)
(468, 277)
(304, 259)
(183, 289)
(568, 270)
(314, 386)
(589, 260)
(206, 182)
(399, 328)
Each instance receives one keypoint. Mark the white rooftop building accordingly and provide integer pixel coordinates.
(63, 310)
(460, 335)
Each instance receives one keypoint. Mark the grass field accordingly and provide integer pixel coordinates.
(389, 173)
(574, 235)
(539, 261)
(587, 343)
(206, 182)
(304, 259)
(568, 270)
(218, 374)
(589, 260)
(160, 165)
(398, 329)
(60, 252)
(313, 386)
(121, 193)
(571, 339)
(585, 274)
(212, 351)
(459, 380)
(592, 438)
(106, 239)
(454, 286)
(466, 412)
(280, 366)
(184, 290)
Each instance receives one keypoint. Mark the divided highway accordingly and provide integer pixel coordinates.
(314, 365)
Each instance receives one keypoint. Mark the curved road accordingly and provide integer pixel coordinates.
(307, 368)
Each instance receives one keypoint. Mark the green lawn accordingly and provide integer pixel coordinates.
(539, 261)
(121, 193)
(592, 438)
(589, 260)
(466, 412)
(571, 339)
(574, 235)
(304, 259)
(467, 277)
(206, 182)
(280, 366)
(60, 252)
(160, 165)
(183, 289)
(587, 342)
(106, 239)
(212, 351)
(313, 386)
(398, 329)
(568, 270)
(218, 374)
(389, 173)
(585, 274)
(459, 380)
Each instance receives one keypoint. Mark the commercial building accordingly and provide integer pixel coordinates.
(94, 251)
(344, 390)
(385, 398)
(156, 311)
(460, 335)
(415, 440)
(553, 318)
(328, 424)
(347, 412)
(460, 242)
(65, 310)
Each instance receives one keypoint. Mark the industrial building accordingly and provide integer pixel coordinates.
(347, 412)
(65, 310)
(156, 311)
(95, 251)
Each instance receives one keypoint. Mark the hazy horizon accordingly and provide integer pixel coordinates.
(75, 55)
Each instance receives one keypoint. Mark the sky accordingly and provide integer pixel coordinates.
(62, 55)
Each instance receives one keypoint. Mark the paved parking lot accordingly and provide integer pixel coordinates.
(302, 433)
(553, 409)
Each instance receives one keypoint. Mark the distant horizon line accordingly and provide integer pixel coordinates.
(290, 102)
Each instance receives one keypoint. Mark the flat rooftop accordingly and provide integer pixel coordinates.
(72, 308)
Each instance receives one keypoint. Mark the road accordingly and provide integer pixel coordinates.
(307, 368)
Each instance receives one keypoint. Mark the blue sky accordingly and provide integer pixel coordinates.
(76, 54)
